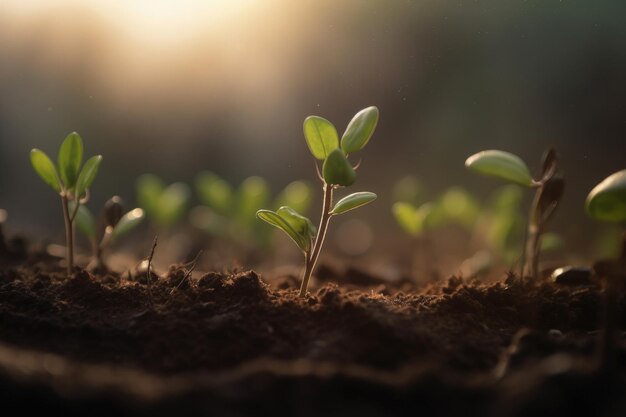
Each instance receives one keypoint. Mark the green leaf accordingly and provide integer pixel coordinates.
(276, 220)
(171, 204)
(337, 169)
(70, 158)
(87, 175)
(607, 200)
(128, 222)
(44, 167)
(407, 218)
(297, 195)
(215, 192)
(84, 220)
(321, 136)
(252, 195)
(500, 164)
(301, 224)
(460, 206)
(353, 201)
(149, 188)
(359, 130)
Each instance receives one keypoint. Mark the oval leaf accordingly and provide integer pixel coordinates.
(277, 221)
(353, 201)
(321, 136)
(301, 224)
(44, 167)
(128, 222)
(407, 218)
(502, 165)
(87, 175)
(337, 170)
(360, 130)
(607, 200)
(70, 158)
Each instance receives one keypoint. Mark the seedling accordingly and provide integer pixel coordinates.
(113, 224)
(226, 211)
(607, 202)
(323, 142)
(163, 205)
(69, 180)
(549, 190)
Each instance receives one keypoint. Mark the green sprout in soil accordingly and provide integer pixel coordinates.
(607, 202)
(549, 190)
(323, 142)
(113, 223)
(69, 180)
(163, 205)
(226, 211)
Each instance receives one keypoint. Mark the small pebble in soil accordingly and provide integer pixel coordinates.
(571, 275)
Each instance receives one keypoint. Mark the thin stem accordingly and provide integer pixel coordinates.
(533, 236)
(69, 234)
(311, 260)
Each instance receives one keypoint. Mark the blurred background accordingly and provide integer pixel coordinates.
(176, 87)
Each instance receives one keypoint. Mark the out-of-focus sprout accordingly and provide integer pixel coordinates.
(226, 211)
(163, 205)
(549, 186)
(323, 141)
(69, 180)
(409, 189)
(113, 224)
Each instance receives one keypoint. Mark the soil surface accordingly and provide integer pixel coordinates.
(238, 344)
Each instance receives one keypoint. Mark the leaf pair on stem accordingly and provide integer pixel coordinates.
(323, 142)
(69, 180)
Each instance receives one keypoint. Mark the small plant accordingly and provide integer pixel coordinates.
(113, 223)
(607, 202)
(323, 142)
(226, 211)
(69, 180)
(163, 205)
(549, 186)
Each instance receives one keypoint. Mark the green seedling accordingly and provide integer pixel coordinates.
(549, 190)
(227, 212)
(323, 142)
(69, 180)
(607, 202)
(112, 224)
(163, 205)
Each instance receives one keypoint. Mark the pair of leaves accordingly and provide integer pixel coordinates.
(163, 204)
(299, 228)
(607, 200)
(69, 176)
(323, 142)
(86, 224)
(412, 220)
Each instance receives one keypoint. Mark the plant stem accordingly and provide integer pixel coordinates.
(69, 234)
(533, 236)
(311, 259)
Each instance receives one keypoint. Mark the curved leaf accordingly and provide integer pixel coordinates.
(70, 158)
(44, 167)
(353, 201)
(128, 222)
(337, 169)
(607, 200)
(360, 130)
(407, 218)
(84, 220)
(301, 224)
(321, 136)
(277, 221)
(87, 175)
(502, 165)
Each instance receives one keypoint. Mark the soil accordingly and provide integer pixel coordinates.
(239, 344)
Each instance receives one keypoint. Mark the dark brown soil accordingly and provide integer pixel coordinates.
(240, 344)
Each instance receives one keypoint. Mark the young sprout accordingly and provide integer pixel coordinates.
(69, 180)
(607, 202)
(164, 205)
(549, 190)
(323, 142)
(113, 223)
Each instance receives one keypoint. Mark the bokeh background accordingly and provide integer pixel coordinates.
(175, 87)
